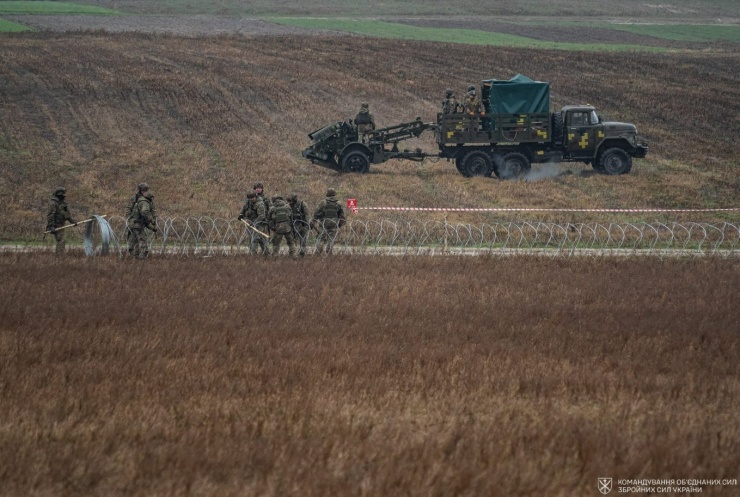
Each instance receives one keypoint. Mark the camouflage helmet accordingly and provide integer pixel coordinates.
(448, 92)
(292, 198)
(365, 105)
(60, 190)
(331, 192)
(259, 185)
(251, 195)
(471, 88)
(143, 187)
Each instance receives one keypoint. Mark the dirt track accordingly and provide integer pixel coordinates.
(213, 25)
(199, 25)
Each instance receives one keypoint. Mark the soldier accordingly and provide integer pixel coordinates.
(259, 189)
(140, 219)
(300, 221)
(327, 219)
(449, 104)
(141, 189)
(56, 215)
(255, 215)
(281, 225)
(472, 104)
(364, 121)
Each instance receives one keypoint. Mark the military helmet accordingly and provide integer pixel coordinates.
(251, 195)
(143, 187)
(60, 190)
(277, 197)
(448, 92)
(331, 192)
(365, 105)
(259, 185)
(471, 88)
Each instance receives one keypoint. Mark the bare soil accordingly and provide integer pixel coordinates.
(191, 26)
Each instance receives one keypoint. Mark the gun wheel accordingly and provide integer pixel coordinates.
(356, 162)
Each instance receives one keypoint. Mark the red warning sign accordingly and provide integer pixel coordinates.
(352, 205)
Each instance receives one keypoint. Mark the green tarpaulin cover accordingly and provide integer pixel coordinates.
(518, 95)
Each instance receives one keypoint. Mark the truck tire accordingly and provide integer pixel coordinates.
(613, 161)
(558, 125)
(356, 162)
(513, 165)
(476, 163)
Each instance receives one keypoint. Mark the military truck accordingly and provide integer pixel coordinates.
(516, 130)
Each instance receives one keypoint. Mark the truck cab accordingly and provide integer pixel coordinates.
(608, 146)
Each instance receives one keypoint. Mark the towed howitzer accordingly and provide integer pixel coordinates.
(338, 146)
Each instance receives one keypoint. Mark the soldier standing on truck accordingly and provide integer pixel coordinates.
(472, 104)
(365, 121)
(300, 221)
(327, 220)
(281, 226)
(254, 214)
(56, 215)
(449, 104)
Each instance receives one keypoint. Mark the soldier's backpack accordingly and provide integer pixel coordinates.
(281, 216)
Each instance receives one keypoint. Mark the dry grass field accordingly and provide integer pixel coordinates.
(201, 119)
(365, 376)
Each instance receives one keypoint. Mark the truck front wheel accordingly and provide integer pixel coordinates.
(513, 165)
(614, 161)
(476, 163)
(356, 162)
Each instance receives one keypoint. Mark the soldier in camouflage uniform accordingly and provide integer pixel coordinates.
(254, 214)
(300, 221)
(56, 215)
(259, 189)
(364, 121)
(281, 225)
(327, 219)
(472, 103)
(141, 219)
(141, 190)
(449, 104)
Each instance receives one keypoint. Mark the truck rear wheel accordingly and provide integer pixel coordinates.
(356, 162)
(614, 161)
(513, 165)
(476, 163)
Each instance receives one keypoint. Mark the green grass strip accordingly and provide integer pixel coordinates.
(12, 27)
(51, 8)
(676, 32)
(381, 29)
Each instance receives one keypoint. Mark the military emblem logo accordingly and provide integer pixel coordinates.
(605, 485)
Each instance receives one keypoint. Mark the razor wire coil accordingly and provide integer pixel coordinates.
(209, 236)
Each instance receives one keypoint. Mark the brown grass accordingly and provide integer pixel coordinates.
(202, 119)
(365, 376)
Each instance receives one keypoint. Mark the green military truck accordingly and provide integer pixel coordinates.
(516, 131)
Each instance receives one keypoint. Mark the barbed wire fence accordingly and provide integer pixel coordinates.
(213, 236)
(206, 236)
